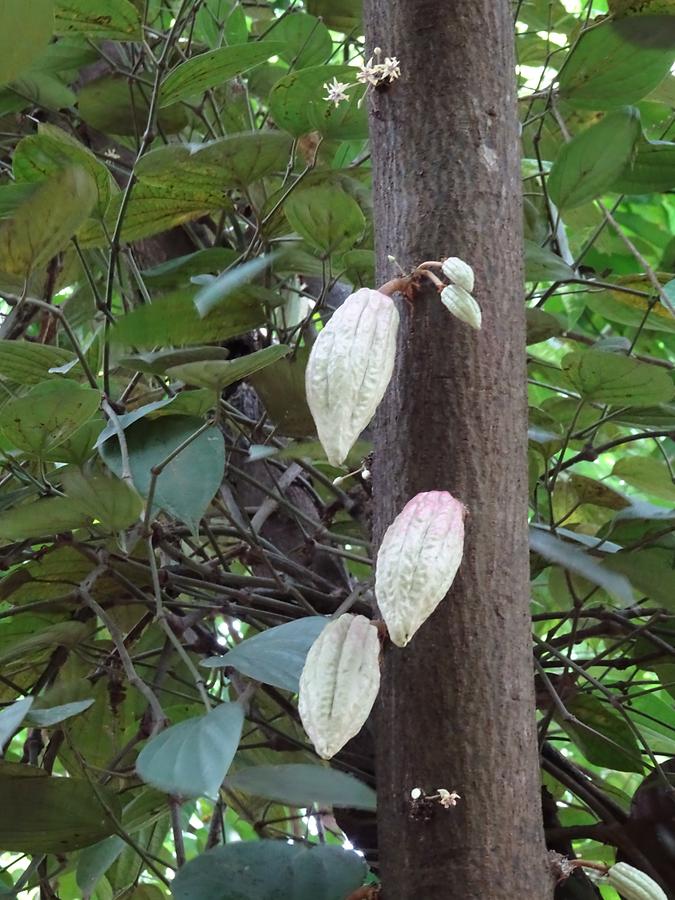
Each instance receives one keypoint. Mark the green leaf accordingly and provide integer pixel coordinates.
(305, 40)
(281, 388)
(218, 289)
(46, 153)
(29, 363)
(267, 870)
(12, 716)
(61, 634)
(326, 217)
(217, 374)
(23, 35)
(42, 518)
(43, 89)
(153, 209)
(38, 823)
(107, 500)
(95, 861)
(209, 70)
(607, 739)
(46, 717)
(157, 363)
(237, 160)
(49, 413)
(652, 169)
(544, 265)
(275, 656)
(541, 325)
(341, 15)
(46, 220)
(179, 269)
(591, 162)
(650, 571)
(298, 106)
(607, 70)
(12, 195)
(191, 759)
(175, 320)
(301, 785)
(114, 19)
(617, 379)
(648, 475)
(575, 559)
(187, 484)
(114, 104)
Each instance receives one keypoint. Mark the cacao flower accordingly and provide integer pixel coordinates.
(458, 272)
(462, 305)
(417, 561)
(349, 368)
(339, 682)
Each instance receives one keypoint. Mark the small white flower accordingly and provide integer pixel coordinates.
(336, 91)
(111, 153)
(390, 68)
(446, 798)
(369, 73)
(416, 793)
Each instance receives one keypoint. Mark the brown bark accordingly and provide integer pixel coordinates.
(456, 708)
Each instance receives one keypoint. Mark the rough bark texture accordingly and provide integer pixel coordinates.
(457, 705)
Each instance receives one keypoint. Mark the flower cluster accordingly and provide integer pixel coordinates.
(371, 74)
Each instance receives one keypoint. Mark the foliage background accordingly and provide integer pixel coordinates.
(179, 208)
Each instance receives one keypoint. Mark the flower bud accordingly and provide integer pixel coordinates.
(462, 305)
(458, 272)
(417, 561)
(339, 682)
(349, 368)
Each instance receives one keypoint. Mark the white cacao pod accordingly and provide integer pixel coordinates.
(633, 884)
(417, 561)
(462, 305)
(458, 272)
(339, 682)
(349, 368)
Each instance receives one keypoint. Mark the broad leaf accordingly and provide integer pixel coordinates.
(651, 169)
(267, 870)
(305, 40)
(275, 656)
(607, 70)
(87, 820)
(544, 265)
(45, 717)
(23, 35)
(188, 483)
(217, 374)
(602, 734)
(191, 759)
(120, 21)
(110, 501)
(591, 162)
(49, 413)
(646, 474)
(44, 223)
(29, 363)
(617, 379)
(11, 717)
(220, 288)
(297, 104)
(208, 70)
(114, 104)
(326, 217)
(302, 785)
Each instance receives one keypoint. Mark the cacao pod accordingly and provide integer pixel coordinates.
(458, 272)
(349, 368)
(633, 884)
(417, 561)
(339, 682)
(462, 305)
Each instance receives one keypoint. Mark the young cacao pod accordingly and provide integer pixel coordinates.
(462, 305)
(417, 561)
(339, 682)
(458, 272)
(349, 368)
(633, 884)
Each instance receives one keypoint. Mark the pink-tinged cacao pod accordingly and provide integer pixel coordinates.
(339, 682)
(417, 561)
(349, 368)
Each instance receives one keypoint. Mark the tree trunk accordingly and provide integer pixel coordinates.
(456, 708)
